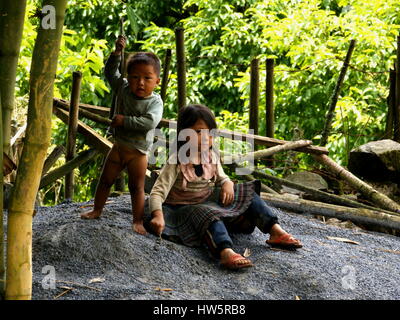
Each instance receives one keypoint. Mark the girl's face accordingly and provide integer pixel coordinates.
(204, 139)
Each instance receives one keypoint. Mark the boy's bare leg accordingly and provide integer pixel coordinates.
(111, 170)
(137, 172)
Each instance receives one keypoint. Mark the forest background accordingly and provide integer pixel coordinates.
(308, 40)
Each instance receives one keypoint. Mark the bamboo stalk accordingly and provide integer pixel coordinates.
(381, 200)
(37, 139)
(396, 111)
(254, 95)
(269, 99)
(335, 95)
(59, 172)
(391, 106)
(12, 15)
(357, 215)
(165, 77)
(72, 130)
(181, 66)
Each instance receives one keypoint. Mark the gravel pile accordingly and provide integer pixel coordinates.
(105, 259)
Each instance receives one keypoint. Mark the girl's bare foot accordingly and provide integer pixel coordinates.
(91, 214)
(280, 238)
(232, 260)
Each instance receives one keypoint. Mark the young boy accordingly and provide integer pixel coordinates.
(140, 112)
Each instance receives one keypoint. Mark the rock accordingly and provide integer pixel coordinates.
(305, 178)
(376, 161)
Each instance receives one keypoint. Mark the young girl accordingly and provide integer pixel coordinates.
(185, 207)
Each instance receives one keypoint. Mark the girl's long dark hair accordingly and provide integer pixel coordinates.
(188, 116)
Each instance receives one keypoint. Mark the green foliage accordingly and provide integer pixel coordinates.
(308, 40)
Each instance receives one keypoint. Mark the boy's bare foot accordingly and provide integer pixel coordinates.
(232, 260)
(91, 214)
(139, 228)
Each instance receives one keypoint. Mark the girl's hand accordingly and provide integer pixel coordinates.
(227, 193)
(120, 45)
(117, 121)
(157, 223)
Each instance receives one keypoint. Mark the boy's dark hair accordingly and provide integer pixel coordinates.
(188, 116)
(148, 58)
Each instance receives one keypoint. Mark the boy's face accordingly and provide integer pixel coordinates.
(142, 80)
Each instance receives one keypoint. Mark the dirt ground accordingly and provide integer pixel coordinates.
(104, 259)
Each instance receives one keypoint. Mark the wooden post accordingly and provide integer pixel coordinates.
(396, 111)
(391, 105)
(335, 96)
(72, 129)
(269, 99)
(254, 95)
(165, 77)
(181, 66)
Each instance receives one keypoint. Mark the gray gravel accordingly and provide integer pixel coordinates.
(143, 267)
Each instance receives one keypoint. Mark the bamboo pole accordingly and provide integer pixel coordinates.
(269, 99)
(37, 139)
(357, 215)
(381, 200)
(12, 15)
(91, 136)
(391, 100)
(335, 95)
(165, 77)
(181, 66)
(52, 158)
(292, 145)
(72, 130)
(396, 111)
(164, 123)
(254, 95)
(69, 166)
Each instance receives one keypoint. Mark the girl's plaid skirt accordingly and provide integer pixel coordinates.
(188, 224)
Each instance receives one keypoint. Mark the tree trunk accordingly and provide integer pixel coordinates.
(357, 215)
(37, 140)
(379, 199)
(12, 15)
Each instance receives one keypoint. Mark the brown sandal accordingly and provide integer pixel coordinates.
(285, 241)
(232, 262)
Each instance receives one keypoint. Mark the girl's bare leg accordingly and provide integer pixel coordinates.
(111, 170)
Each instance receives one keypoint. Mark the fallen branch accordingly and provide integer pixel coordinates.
(357, 215)
(79, 285)
(318, 194)
(378, 198)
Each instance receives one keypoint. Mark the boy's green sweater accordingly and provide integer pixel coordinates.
(142, 115)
